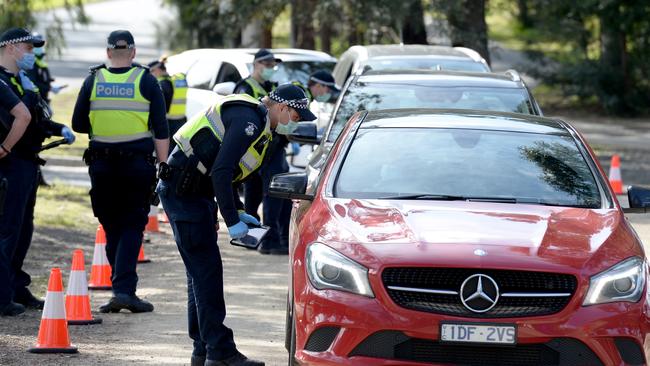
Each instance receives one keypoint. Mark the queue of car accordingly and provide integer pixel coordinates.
(441, 219)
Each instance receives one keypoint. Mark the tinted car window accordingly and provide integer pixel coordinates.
(299, 70)
(529, 167)
(372, 96)
(228, 72)
(203, 73)
(425, 63)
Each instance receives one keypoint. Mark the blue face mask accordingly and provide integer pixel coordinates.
(39, 51)
(323, 98)
(267, 73)
(286, 129)
(26, 62)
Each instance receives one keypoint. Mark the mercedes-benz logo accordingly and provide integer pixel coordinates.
(479, 293)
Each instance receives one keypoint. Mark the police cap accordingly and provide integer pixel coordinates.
(265, 55)
(120, 39)
(324, 77)
(19, 35)
(295, 98)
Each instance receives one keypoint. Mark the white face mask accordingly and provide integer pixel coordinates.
(288, 128)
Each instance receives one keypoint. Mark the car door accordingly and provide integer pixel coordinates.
(200, 79)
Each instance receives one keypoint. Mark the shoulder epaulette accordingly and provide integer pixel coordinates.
(93, 69)
(135, 64)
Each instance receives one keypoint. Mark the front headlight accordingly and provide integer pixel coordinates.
(623, 282)
(329, 269)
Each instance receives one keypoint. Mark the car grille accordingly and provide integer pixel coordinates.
(395, 345)
(435, 290)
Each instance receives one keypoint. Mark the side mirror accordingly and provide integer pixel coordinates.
(290, 186)
(306, 133)
(639, 199)
(226, 88)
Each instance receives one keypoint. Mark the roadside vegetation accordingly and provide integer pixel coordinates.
(63, 105)
(64, 206)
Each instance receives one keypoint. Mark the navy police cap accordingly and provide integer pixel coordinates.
(120, 39)
(295, 98)
(324, 77)
(19, 35)
(265, 55)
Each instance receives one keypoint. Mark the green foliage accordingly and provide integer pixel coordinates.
(597, 48)
(20, 13)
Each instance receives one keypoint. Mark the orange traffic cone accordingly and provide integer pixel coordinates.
(162, 217)
(615, 178)
(100, 272)
(141, 257)
(77, 300)
(53, 334)
(152, 223)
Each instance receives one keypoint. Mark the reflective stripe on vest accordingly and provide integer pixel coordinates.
(211, 118)
(179, 98)
(258, 90)
(304, 89)
(118, 112)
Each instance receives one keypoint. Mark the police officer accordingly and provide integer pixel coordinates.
(174, 90)
(216, 149)
(122, 110)
(277, 211)
(40, 73)
(19, 162)
(258, 85)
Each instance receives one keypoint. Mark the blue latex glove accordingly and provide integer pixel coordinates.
(238, 231)
(295, 148)
(248, 219)
(67, 134)
(26, 83)
(57, 88)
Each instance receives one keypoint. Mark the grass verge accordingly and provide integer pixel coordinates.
(63, 106)
(64, 206)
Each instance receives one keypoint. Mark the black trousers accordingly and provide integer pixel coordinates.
(120, 195)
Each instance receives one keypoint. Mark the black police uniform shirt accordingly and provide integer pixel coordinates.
(150, 90)
(243, 126)
(168, 93)
(42, 78)
(38, 130)
(8, 100)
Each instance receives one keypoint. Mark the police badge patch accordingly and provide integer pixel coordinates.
(250, 129)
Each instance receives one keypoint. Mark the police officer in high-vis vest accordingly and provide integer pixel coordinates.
(257, 85)
(174, 90)
(19, 161)
(216, 149)
(122, 110)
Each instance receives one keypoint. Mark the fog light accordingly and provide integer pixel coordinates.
(624, 285)
(329, 272)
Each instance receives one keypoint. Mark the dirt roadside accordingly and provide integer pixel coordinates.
(255, 299)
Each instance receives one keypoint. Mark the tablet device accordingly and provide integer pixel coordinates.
(253, 238)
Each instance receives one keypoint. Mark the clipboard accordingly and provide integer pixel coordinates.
(253, 239)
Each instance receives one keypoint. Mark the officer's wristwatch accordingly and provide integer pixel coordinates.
(164, 171)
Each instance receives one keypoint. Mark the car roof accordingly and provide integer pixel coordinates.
(441, 78)
(373, 51)
(464, 119)
(246, 54)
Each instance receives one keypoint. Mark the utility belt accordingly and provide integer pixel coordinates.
(94, 154)
(184, 172)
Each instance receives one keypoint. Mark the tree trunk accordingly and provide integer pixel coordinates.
(302, 15)
(325, 36)
(524, 16)
(613, 60)
(413, 31)
(467, 25)
(266, 40)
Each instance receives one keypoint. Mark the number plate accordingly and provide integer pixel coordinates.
(478, 333)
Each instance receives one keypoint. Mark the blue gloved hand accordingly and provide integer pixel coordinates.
(26, 83)
(248, 219)
(57, 88)
(238, 231)
(295, 148)
(67, 134)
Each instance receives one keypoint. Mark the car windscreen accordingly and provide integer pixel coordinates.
(373, 96)
(467, 164)
(289, 71)
(425, 63)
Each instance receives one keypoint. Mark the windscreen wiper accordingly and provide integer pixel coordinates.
(446, 197)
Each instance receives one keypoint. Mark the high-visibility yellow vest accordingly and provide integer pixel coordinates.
(40, 63)
(211, 119)
(179, 98)
(258, 90)
(118, 112)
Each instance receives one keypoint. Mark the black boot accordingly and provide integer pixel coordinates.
(11, 309)
(267, 247)
(28, 300)
(236, 360)
(132, 303)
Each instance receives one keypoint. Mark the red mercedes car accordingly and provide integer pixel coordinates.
(462, 238)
